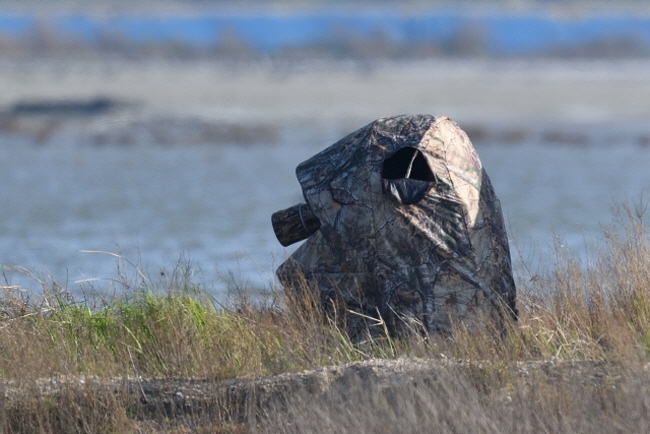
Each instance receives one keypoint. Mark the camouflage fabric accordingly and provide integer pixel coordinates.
(411, 229)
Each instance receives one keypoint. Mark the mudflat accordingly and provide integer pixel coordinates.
(504, 91)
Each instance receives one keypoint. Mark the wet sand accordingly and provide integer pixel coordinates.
(508, 92)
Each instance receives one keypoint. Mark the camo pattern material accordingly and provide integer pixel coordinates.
(417, 251)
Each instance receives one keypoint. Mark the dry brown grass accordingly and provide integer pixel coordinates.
(575, 312)
(454, 401)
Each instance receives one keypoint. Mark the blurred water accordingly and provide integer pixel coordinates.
(212, 204)
(268, 30)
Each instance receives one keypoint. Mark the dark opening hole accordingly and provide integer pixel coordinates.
(407, 163)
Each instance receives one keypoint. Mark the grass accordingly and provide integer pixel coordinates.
(571, 311)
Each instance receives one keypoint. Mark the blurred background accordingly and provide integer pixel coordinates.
(169, 131)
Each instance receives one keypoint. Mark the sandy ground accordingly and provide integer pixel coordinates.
(485, 91)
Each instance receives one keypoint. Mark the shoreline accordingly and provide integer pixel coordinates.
(499, 92)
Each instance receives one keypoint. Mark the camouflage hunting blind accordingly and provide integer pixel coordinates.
(402, 225)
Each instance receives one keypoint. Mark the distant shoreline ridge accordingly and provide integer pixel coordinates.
(382, 31)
